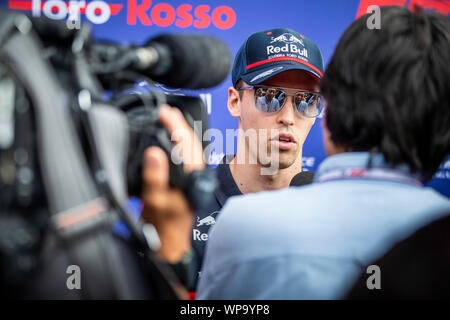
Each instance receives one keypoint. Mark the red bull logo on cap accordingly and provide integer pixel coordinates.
(291, 46)
(287, 38)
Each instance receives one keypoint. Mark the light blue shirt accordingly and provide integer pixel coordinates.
(265, 106)
(312, 242)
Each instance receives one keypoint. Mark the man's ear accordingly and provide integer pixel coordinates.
(234, 102)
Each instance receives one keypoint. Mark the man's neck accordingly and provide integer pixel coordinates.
(248, 177)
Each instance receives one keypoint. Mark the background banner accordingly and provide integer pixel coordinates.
(136, 21)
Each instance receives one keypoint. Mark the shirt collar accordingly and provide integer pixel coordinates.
(227, 185)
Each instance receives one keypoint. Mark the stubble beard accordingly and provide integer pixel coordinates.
(284, 158)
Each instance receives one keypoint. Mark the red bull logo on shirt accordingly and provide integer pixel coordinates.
(209, 220)
(206, 221)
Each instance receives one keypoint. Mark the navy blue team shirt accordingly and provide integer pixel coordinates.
(205, 219)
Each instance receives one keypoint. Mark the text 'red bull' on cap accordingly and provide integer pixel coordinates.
(267, 53)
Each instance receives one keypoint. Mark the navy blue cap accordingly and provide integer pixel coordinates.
(267, 53)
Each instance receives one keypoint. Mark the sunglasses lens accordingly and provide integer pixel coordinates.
(308, 104)
(269, 100)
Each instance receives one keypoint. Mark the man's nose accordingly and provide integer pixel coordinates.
(286, 115)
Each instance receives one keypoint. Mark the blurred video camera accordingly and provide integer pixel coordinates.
(73, 130)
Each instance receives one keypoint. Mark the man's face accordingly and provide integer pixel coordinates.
(292, 128)
(299, 97)
(270, 93)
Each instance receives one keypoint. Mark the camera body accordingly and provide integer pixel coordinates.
(69, 161)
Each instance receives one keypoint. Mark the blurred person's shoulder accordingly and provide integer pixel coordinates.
(415, 268)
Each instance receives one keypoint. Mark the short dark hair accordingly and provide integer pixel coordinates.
(388, 89)
(239, 85)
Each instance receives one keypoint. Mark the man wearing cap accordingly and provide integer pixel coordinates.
(270, 70)
(384, 138)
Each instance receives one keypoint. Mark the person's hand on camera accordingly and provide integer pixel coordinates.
(165, 207)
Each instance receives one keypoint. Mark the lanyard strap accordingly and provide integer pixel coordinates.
(373, 174)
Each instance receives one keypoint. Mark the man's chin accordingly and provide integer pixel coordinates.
(287, 158)
(283, 160)
(284, 164)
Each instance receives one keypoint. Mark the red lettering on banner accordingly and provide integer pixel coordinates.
(186, 17)
(27, 5)
(164, 15)
(230, 17)
(203, 21)
(156, 14)
(141, 9)
(365, 4)
(439, 5)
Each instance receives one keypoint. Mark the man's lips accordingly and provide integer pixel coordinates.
(284, 141)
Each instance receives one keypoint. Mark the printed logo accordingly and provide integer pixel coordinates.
(266, 73)
(291, 46)
(308, 162)
(287, 38)
(207, 221)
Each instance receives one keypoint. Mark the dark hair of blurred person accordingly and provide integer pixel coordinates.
(392, 97)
